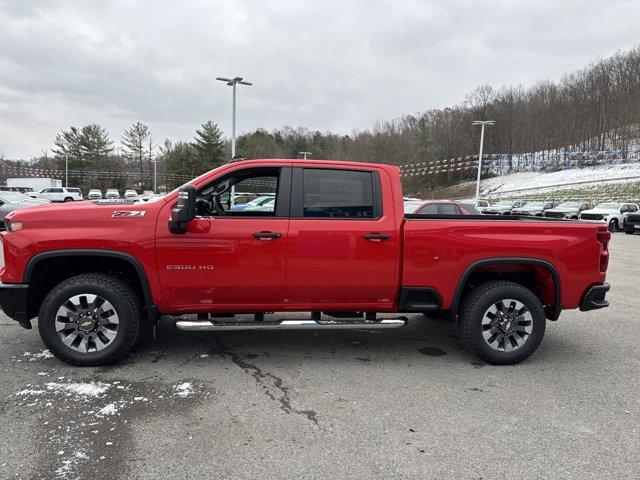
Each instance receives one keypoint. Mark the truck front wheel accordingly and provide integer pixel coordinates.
(90, 319)
(502, 322)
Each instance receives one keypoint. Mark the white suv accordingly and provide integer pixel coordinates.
(611, 213)
(60, 194)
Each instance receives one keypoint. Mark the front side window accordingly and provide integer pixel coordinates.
(215, 199)
(337, 193)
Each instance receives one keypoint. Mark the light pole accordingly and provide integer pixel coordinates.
(66, 169)
(305, 154)
(482, 123)
(232, 82)
(155, 175)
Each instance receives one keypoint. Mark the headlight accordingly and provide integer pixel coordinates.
(13, 226)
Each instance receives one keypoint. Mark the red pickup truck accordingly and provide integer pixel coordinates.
(335, 244)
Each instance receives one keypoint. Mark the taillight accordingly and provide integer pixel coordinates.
(603, 236)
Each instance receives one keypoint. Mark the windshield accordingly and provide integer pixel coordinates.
(608, 206)
(503, 203)
(568, 205)
(534, 204)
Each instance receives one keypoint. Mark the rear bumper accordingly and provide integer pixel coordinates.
(594, 299)
(13, 301)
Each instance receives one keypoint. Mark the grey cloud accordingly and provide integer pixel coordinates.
(321, 64)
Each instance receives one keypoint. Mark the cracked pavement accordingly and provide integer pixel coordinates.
(402, 404)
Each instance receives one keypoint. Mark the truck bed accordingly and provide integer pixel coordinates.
(440, 250)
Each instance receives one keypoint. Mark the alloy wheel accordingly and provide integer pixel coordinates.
(507, 325)
(87, 323)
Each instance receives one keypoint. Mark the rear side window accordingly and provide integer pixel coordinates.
(447, 209)
(74, 190)
(337, 193)
(55, 190)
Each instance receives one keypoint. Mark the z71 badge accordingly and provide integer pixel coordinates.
(129, 213)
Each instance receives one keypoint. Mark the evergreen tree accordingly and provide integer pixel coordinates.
(209, 145)
(68, 144)
(95, 144)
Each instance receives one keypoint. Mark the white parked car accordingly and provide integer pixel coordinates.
(266, 206)
(535, 209)
(130, 194)
(112, 193)
(482, 204)
(146, 195)
(60, 194)
(611, 213)
(94, 194)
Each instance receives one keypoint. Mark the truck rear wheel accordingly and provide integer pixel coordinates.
(90, 319)
(502, 322)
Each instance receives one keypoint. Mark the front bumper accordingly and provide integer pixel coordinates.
(13, 301)
(594, 298)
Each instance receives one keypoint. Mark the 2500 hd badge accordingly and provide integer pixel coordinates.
(189, 267)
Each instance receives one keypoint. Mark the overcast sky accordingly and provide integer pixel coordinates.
(324, 65)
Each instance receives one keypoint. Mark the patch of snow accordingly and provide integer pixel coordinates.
(184, 389)
(69, 465)
(532, 181)
(109, 409)
(30, 391)
(89, 389)
(37, 356)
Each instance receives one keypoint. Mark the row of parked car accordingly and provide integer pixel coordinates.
(617, 215)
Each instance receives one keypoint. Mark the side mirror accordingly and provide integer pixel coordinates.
(184, 211)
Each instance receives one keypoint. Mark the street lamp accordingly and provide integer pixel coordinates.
(232, 82)
(482, 123)
(305, 154)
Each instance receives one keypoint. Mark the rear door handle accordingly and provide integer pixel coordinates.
(376, 237)
(267, 235)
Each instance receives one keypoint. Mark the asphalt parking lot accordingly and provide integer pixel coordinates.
(395, 404)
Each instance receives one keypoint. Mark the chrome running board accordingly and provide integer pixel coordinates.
(202, 326)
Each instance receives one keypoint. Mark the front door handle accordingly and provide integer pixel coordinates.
(267, 235)
(376, 237)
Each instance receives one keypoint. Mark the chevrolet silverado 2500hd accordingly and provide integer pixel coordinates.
(336, 244)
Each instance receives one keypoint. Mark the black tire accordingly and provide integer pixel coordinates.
(126, 305)
(614, 226)
(476, 304)
(628, 232)
(68, 199)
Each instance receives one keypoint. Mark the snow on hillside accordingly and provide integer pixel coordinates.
(533, 182)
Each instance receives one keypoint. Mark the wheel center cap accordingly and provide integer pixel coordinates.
(86, 324)
(507, 326)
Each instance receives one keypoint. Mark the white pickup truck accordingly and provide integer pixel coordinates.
(612, 213)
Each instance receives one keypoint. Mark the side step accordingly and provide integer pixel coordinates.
(200, 326)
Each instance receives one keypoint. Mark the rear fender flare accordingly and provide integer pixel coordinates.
(552, 315)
